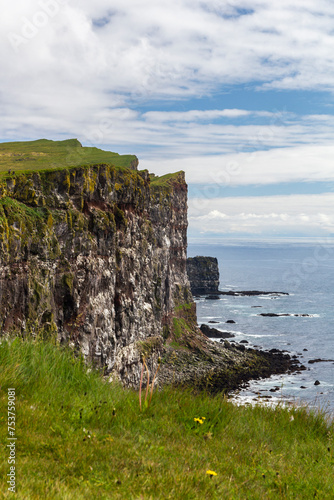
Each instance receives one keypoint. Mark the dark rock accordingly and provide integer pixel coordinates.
(213, 321)
(230, 321)
(305, 349)
(317, 382)
(244, 342)
(203, 274)
(252, 293)
(319, 360)
(269, 315)
(212, 297)
(213, 333)
(275, 315)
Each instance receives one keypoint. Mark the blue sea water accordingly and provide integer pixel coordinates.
(306, 272)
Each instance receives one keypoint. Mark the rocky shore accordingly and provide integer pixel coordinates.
(223, 367)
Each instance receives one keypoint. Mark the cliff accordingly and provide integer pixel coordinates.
(203, 274)
(95, 255)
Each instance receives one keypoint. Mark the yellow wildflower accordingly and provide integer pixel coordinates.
(211, 473)
(199, 420)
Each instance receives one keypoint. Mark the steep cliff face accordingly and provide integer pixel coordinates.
(95, 255)
(203, 273)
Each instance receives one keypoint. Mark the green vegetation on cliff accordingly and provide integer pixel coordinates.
(166, 180)
(46, 154)
(80, 437)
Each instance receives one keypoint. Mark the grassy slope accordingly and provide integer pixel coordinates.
(78, 438)
(46, 154)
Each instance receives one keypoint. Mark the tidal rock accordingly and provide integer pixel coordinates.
(214, 333)
(252, 293)
(320, 360)
(276, 315)
(317, 382)
(230, 321)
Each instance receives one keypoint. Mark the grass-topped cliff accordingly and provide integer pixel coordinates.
(92, 251)
(79, 437)
(44, 154)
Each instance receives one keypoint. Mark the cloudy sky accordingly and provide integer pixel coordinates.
(237, 93)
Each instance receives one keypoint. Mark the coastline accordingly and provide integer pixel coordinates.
(223, 367)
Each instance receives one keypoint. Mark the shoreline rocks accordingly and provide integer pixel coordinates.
(213, 333)
(223, 367)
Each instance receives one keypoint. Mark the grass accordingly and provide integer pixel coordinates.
(79, 437)
(165, 180)
(45, 154)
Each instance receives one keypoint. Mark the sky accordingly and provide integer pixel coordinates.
(237, 93)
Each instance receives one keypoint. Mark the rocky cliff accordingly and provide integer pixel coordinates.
(203, 273)
(95, 255)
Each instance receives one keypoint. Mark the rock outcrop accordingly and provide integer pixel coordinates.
(203, 273)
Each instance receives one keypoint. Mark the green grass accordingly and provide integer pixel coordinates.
(165, 180)
(45, 154)
(79, 437)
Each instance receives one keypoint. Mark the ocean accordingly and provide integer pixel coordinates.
(305, 271)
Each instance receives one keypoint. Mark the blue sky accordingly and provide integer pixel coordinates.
(237, 93)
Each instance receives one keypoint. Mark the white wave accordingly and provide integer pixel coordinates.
(256, 335)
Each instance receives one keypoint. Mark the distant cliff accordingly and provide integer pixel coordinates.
(203, 273)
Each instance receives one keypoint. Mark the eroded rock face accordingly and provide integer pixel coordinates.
(97, 256)
(203, 273)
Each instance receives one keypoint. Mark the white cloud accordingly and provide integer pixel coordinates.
(74, 59)
(270, 215)
(291, 164)
(194, 115)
